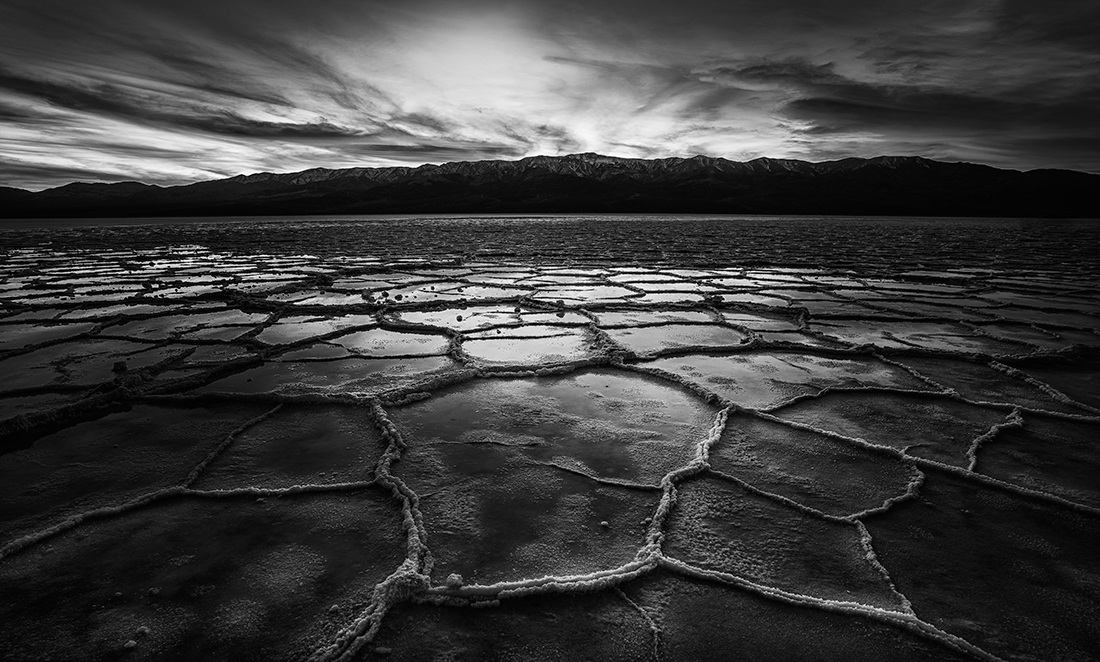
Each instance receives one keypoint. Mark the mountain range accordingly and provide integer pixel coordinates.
(887, 185)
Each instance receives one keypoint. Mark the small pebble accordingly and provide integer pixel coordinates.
(154, 591)
(143, 631)
(605, 524)
(334, 609)
(454, 580)
(130, 644)
(261, 500)
(382, 650)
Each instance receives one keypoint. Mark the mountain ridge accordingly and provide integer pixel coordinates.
(589, 182)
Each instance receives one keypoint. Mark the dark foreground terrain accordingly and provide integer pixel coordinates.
(486, 439)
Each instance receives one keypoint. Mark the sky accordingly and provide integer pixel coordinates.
(172, 92)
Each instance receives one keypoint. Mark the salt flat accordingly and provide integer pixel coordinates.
(217, 450)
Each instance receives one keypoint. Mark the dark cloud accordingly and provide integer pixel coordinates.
(228, 124)
(1073, 152)
(712, 104)
(424, 120)
(557, 139)
(907, 62)
(939, 113)
(835, 103)
(114, 101)
(28, 175)
(101, 98)
(18, 114)
(431, 153)
(239, 49)
(189, 66)
(1062, 23)
(790, 71)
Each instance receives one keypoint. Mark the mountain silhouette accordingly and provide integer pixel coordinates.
(887, 185)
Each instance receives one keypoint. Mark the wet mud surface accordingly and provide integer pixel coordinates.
(265, 453)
